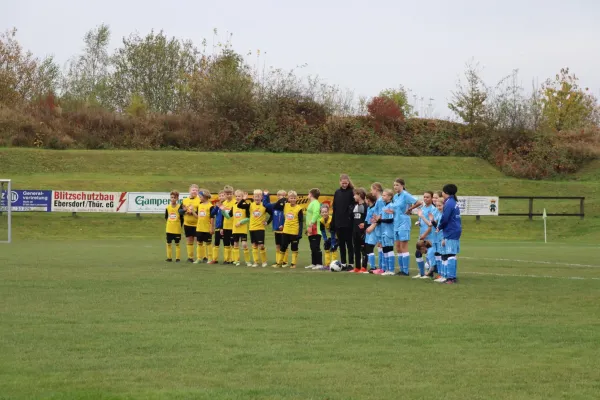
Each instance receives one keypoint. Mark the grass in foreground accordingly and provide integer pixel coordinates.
(108, 319)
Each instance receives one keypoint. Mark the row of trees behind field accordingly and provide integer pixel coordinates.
(159, 92)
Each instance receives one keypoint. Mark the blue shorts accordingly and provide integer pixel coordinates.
(402, 236)
(452, 246)
(387, 241)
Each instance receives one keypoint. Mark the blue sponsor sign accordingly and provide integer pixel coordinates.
(27, 200)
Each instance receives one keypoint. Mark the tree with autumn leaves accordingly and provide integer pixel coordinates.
(567, 106)
(559, 105)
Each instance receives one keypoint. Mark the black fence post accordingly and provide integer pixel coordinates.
(531, 208)
(581, 208)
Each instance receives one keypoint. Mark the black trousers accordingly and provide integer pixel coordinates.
(316, 255)
(344, 240)
(360, 255)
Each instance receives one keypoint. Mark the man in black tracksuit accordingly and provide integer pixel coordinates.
(341, 222)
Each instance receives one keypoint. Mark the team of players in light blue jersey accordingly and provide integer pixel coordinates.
(439, 232)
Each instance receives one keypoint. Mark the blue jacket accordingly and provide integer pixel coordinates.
(217, 214)
(450, 222)
(277, 215)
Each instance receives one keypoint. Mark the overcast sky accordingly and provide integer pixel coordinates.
(359, 45)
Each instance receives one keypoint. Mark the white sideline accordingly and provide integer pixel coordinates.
(576, 278)
(572, 278)
(533, 262)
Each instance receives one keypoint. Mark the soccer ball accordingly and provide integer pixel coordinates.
(335, 266)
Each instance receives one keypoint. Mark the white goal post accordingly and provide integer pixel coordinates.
(6, 206)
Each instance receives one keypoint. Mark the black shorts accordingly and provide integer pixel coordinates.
(218, 237)
(189, 230)
(173, 237)
(204, 237)
(239, 237)
(257, 237)
(278, 236)
(227, 237)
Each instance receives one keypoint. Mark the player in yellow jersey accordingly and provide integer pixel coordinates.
(227, 206)
(329, 244)
(174, 217)
(204, 228)
(240, 219)
(292, 227)
(258, 219)
(190, 220)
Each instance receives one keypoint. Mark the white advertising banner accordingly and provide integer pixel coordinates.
(480, 205)
(476, 205)
(150, 202)
(92, 201)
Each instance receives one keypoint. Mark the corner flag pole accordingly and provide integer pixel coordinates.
(545, 235)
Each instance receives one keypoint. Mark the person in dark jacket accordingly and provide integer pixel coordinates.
(341, 223)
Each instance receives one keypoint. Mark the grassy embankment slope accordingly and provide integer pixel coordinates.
(163, 171)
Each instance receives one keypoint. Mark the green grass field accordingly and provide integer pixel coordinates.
(89, 310)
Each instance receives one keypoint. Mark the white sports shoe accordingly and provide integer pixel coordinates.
(441, 280)
(309, 267)
(264, 265)
(388, 273)
(253, 265)
(237, 263)
(317, 267)
(424, 277)
(418, 276)
(249, 264)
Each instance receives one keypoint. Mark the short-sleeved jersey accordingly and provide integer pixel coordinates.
(173, 219)
(204, 217)
(423, 226)
(228, 222)
(401, 203)
(238, 214)
(292, 222)
(437, 236)
(377, 208)
(387, 229)
(370, 238)
(189, 219)
(258, 217)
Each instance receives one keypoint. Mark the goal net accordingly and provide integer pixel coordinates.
(5, 211)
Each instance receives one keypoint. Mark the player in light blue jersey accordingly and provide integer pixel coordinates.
(377, 191)
(403, 204)
(386, 220)
(371, 238)
(426, 233)
(438, 203)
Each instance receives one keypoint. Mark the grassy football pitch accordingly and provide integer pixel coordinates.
(89, 309)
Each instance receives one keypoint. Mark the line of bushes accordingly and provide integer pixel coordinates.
(528, 155)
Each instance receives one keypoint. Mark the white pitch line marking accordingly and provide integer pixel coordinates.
(532, 262)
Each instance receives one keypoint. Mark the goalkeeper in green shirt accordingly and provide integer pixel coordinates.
(313, 215)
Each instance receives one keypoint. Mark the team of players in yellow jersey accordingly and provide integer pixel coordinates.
(232, 219)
